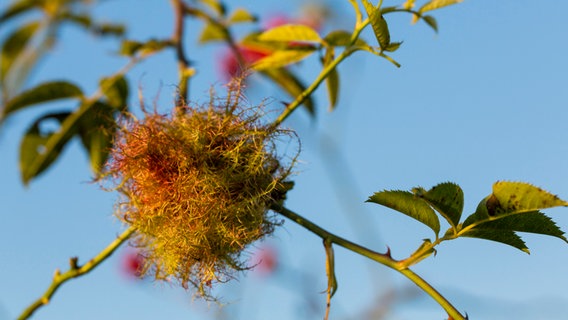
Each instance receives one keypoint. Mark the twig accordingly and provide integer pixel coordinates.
(381, 258)
(183, 62)
(75, 271)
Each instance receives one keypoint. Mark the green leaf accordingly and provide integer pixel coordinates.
(379, 24)
(531, 222)
(437, 4)
(409, 204)
(291, 33)
(16, 8)
(283, 58)
(503, 236)
(393, 46)
(55, 142)
(431, 21)
(14, 45)
(338, 38)
(332, 80)
(33, 146)
(212, 32)
(42, 93)
(131, 47)
(116, 91)
(241, 15)
(446, 198)
(96, 130)
(290, 84)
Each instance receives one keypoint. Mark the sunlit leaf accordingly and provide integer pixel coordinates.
(379, 24)
(241, 15)
(446, 198)
(437, 4)
(516, 197)
(212, 32)
(42, 93)
(282, 58)
(291, 33)
(409, 204)
(14, 45)
(514, 207)
(290, 84)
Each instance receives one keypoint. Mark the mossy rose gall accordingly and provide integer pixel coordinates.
(197, 186)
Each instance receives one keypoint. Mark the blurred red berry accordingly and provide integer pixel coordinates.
(266, 260)
(132, 264)
(230, 66)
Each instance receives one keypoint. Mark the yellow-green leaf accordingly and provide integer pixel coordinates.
(291, 33)
(241, 15)
(514, 197)
(212, 32)
(282, 58)
(437, 4)
(379, 24)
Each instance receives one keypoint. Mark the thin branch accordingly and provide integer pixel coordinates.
(381, 258)
(75, 271)
(183, 62)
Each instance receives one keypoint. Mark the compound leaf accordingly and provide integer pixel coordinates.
(409, 204)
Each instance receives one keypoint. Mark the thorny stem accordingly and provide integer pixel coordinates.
(75, 271)
(183, 62)
(381, 258)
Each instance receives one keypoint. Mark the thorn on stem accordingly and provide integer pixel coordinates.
(388, 254)
(74, 263)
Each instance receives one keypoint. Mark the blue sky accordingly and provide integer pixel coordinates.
(483, 100)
